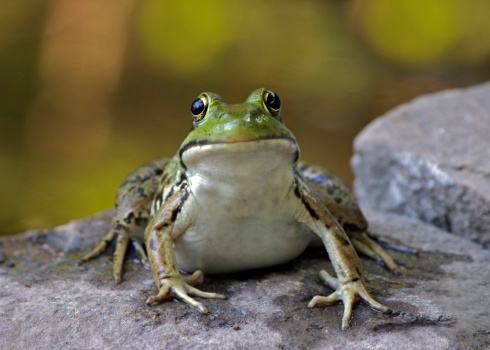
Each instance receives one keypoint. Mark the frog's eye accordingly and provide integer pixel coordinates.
(199, 107)
(272, 102)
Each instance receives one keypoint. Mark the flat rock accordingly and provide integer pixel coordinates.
(430, 159)
(47, 301)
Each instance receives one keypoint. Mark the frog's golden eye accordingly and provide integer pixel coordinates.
(199, 107)
(272, 102)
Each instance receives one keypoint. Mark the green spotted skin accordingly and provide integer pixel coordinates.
(236, 197)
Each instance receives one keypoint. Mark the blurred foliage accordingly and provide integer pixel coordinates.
(91, 89)
(185, 35)
(419, 32)
(424, 32)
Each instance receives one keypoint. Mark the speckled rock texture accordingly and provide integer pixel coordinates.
(48, 302)
(430, 159)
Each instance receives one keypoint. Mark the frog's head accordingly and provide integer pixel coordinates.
(218, 125)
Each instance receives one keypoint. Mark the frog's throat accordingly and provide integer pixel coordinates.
(262, 141)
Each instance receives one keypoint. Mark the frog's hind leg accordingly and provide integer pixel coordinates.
(365, 245)
(133, 202)
(121, 247)
(122, 244)
(100, 247)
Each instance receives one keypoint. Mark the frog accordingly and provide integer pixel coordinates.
(237, 197)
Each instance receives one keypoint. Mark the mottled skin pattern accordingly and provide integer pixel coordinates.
(336, 196)
(162, 192)
(133, 200)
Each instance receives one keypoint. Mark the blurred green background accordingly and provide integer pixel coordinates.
(91, 89)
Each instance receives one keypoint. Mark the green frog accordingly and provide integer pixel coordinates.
(236, 197)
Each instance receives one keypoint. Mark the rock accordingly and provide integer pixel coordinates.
(47, 301)
(430, 159)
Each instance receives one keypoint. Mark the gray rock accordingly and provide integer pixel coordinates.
(430, 159)
(47, 302)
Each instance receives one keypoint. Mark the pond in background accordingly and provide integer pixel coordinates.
(91, 89)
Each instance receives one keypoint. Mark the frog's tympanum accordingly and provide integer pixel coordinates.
(236, 197)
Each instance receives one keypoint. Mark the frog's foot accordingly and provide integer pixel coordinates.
(349, 294)
(181, 287)
(388, 244)
(365, 245)
(100, 247)
(119, 254)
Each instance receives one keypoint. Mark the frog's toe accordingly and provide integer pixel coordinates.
(196, 278)
(122, 243)
(339, 295)
(347, 298)
(207, 295)
(331, 299)
(349, 293)
(141, 254)
(177, 287)
(386, 243)
(100, 247)
(183, 292)
(181, 295)
(365, 245)
(330, 280)
(364, 295)
(163, 294)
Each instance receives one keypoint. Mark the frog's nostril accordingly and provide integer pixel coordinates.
(222, 116)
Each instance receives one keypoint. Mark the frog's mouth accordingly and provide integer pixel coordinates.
(259, 149)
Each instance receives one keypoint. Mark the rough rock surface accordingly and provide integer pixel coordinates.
(47, 302)
(430, 159)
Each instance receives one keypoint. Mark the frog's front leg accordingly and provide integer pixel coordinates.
(159, 237)
(349, 285)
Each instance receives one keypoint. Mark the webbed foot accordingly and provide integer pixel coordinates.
(181, 287)
(349, 294)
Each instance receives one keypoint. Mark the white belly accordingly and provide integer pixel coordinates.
(242, 208)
